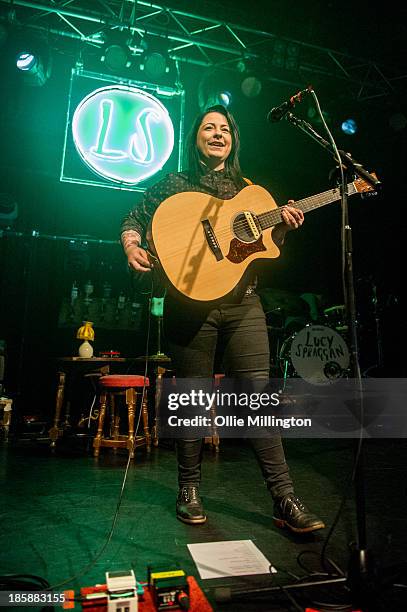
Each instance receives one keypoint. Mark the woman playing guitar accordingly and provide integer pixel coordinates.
(233, 326)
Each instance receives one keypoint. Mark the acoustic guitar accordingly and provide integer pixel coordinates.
(205, 244)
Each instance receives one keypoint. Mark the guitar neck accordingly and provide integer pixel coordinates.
(273, 217)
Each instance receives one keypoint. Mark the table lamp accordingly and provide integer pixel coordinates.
(86, 333)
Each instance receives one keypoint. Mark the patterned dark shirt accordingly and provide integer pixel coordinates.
(214, 182)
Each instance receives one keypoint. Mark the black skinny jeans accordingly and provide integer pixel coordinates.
(238, 332)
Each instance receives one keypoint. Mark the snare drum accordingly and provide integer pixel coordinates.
(316, 353)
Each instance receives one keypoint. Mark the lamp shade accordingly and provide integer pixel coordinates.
(86, 331)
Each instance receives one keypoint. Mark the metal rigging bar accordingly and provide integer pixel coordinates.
(207, 41)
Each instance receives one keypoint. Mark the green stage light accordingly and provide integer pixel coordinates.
(251, 86)
(116, 57)
(155, 61)
(155, 64)
(26, 61)
(215, 98)
(225, 98)
(35, 71)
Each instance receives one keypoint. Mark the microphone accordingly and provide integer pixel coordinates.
(278, 112)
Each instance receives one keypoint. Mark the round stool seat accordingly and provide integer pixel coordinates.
(123, 381)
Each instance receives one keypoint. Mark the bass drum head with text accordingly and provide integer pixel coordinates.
(319, 354)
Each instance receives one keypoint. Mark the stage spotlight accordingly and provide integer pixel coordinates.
(35, 69)
(285, 55)
(116, 57)
(224, 98)
(26, 61)
(349, 127)
(213, 89)
(116, 53)
(155, 64)
(155, 61)
(251, 86)
(292, 58)
(398, 122)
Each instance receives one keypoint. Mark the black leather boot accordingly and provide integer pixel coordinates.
(189, 506)
(290, 512)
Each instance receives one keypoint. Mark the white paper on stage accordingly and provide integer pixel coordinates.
(229, 558)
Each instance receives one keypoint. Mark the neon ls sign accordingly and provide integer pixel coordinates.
(122, 133)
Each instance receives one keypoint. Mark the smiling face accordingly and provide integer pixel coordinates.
(214, 140)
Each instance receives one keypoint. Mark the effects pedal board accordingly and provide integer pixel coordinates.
(169, 588)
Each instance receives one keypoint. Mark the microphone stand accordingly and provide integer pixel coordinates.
(361, 575)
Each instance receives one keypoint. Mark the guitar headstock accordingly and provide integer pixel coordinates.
(362, 186)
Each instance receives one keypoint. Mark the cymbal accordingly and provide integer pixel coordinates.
(157, 358)
(286, 301)
(334, 309)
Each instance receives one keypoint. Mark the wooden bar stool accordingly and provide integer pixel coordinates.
(126, 385)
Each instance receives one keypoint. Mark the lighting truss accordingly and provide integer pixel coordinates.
(203, 41)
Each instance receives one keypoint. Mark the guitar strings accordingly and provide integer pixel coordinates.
(307, 204)
(274, 216)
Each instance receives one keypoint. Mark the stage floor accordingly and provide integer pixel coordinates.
(57, 510)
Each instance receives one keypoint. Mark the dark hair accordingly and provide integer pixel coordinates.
(232, 165)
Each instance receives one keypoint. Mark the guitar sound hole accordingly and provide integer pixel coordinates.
(242, 229)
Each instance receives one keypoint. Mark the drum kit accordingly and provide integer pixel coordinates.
(307, 341)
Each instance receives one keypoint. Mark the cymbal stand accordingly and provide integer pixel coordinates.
(378, 331)
(376, 313)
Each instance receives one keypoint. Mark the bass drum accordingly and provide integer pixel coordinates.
(316, 353)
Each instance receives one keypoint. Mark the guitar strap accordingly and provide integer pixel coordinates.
(252, 279)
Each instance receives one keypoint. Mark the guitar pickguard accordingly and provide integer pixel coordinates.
(239, 251)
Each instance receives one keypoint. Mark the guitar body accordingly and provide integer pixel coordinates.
(205, 244)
